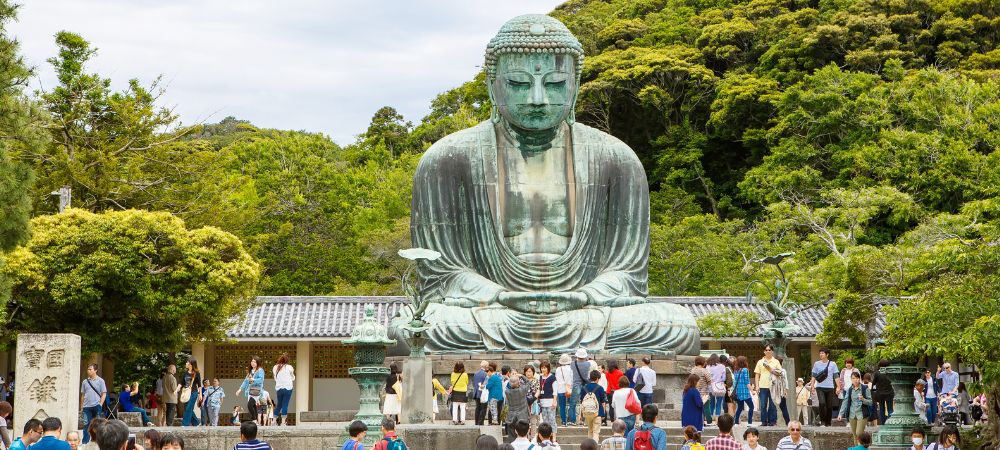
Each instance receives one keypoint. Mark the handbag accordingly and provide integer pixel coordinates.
(632, 404)
(718, 389)
(821, 377)
(254, 391)
(640, 381)
(484, 396)
(185, 394)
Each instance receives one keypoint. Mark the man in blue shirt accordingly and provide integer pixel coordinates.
(478, 380)
(32, 432)
(51, 431)
(248, 438)
(948, 377)
(648, 430)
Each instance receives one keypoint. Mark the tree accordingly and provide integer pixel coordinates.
(21, 131)
(109, 147)
(128, 282)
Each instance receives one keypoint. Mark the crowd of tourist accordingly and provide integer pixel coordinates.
(581, 391)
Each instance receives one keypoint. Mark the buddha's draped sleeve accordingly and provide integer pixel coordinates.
(620, 199)
(448, 216)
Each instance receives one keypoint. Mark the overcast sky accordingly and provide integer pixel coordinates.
(323, 66)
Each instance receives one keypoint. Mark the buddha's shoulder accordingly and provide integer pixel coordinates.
(460, 143)
(597, 140)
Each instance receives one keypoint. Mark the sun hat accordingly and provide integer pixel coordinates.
(564, 360)
(581, 353)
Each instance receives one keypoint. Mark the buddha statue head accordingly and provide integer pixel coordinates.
(533, 70)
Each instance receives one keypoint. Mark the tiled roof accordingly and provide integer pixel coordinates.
(311, 317)
(333, 318)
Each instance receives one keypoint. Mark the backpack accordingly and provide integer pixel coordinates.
(643, 440)
(394, 444)
(729, 378)
(590, 405)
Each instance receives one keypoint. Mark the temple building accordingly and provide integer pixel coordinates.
(311, 331)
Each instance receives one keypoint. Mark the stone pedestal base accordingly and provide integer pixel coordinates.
(417, 400)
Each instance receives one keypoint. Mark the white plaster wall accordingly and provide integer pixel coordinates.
(335, 394)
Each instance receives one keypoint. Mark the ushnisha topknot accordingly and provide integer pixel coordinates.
(533, 33)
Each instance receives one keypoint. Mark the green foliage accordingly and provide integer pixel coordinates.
(128, 282)
(21, 129)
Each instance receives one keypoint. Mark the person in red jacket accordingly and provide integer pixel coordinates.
(614, 373)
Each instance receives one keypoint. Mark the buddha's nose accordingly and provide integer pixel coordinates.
(538, 96)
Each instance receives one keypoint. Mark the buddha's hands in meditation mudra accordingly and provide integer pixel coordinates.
(547, 302)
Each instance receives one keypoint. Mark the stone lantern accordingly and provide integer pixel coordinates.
(370, 340)
(895, 433)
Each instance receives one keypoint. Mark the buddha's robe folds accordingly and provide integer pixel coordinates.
(454, 212)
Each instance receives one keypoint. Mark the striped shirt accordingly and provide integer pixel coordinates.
(786, 444)
(613, 443)
(252, 444)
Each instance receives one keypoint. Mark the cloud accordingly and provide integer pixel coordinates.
(323, 66)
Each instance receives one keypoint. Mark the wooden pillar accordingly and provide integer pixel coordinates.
(303, 378)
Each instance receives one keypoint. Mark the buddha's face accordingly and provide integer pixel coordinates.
(534, 91)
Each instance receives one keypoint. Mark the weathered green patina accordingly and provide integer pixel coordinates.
(370, 340)
(542, 223)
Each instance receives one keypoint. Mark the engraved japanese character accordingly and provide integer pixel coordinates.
(43, 390)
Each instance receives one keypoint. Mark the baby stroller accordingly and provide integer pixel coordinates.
(949, 409)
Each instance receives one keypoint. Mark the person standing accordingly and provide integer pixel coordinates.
(882, 393)
(692, 404)
(494, 386)
(802, 401)
(564, 389)
(284, 383)
(153, 402)
(630, 371)
(170, 388)
(647, 377)
(919, 401)
(620, 399)
(704, 387)
(161, 412)
(529, 378)
(253, 386)
(593, 397)
(93, 393)
(647, 433)
(214, 397)
(844, 380)
(762, 382)
(202, 396)
(458, 390)
(192, 381)
(613, 375)
(964, 404)
(580, 368)
(478, 383)
(546, 394)
(718, 387)
(854, 408)
(741, 390)
(932, 388)
(948, 378)
(517, 404)
(824, 378)
(779, 390)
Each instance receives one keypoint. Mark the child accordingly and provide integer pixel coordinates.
(592, 402)
(918, 436)
(545, 437)
(864, 440)
(358, 430)
(692, 439)
(752, 436)
(235, 419)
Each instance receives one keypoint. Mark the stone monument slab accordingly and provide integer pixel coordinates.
(417, 399)
(48, 378)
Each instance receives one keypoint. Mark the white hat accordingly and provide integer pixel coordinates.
(564, 360)
(581, 353)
